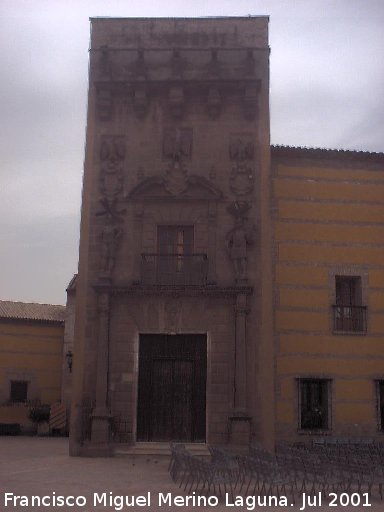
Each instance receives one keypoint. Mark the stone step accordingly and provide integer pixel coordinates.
(157, 449)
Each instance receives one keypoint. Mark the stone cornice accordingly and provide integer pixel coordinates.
(175, 291)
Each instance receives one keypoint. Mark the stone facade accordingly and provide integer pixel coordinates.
(177, 146)
(228, 290)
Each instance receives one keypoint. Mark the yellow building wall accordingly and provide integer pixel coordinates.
(30, 351)
(329, 220)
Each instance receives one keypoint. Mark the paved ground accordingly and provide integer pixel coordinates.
(32, 466)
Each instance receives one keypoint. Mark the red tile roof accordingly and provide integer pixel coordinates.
(31, 311)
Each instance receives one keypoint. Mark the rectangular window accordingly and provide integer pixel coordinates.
(175, 263)
(175, 240)
(175, 247)
(380, 404)
(349, 312)
(314, 404)
(19, 391)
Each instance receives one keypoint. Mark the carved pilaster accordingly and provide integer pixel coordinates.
(241, 311)
(101, 414)
(240, 421)
(212, 227)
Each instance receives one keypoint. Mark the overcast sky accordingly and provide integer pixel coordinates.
(327, 83)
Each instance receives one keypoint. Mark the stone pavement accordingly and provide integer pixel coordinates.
(33, 466)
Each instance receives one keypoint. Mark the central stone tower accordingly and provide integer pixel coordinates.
(173, 335)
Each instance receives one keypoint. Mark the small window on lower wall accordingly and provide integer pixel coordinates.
(380, 404)
(314, 403)
(19, 391)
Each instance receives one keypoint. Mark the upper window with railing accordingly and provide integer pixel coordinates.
(349, 313)
(175, 263)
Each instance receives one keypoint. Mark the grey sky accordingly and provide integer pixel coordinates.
(327, 82)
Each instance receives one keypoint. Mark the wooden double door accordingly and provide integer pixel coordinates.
(172, 387)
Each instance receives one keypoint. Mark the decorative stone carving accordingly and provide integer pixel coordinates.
(177, 143)
(238, 239)
(241, 148)
(139, 68)
(140, 102)
(104, 104)
(214, 66)
(176, 101)
(241, 180)
(112, 149)
(239, 209)
(175, 178)
(178, 64)
(241, 152)
(177, 146)
(249, 63)
(214, 103)
(111, 180)
(110, 239)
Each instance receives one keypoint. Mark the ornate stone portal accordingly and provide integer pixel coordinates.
(168, 245)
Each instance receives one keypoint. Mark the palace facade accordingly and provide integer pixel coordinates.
(228, 290)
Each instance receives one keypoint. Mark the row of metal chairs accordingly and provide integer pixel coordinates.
(195, 474)
(289, 472)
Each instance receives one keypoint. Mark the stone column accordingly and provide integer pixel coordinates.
(240, 421)
(101, 416)
(212, 228)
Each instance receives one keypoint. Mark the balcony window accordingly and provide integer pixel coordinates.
(175, 263)
(349, 315)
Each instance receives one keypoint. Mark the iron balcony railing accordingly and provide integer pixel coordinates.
(174, 269)
(349, 318)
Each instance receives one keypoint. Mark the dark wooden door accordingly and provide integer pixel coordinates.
(172, 388)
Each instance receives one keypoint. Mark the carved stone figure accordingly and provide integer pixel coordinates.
(238, 240)
(111, 180)
(110, 238)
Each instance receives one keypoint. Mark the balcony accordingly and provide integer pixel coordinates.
(349, 318)
(174, 269)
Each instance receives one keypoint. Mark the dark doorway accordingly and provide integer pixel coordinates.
(172, 387)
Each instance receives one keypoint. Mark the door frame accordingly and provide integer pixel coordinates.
(136, 371)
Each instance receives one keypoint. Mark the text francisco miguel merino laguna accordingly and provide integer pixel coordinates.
(120, 502)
